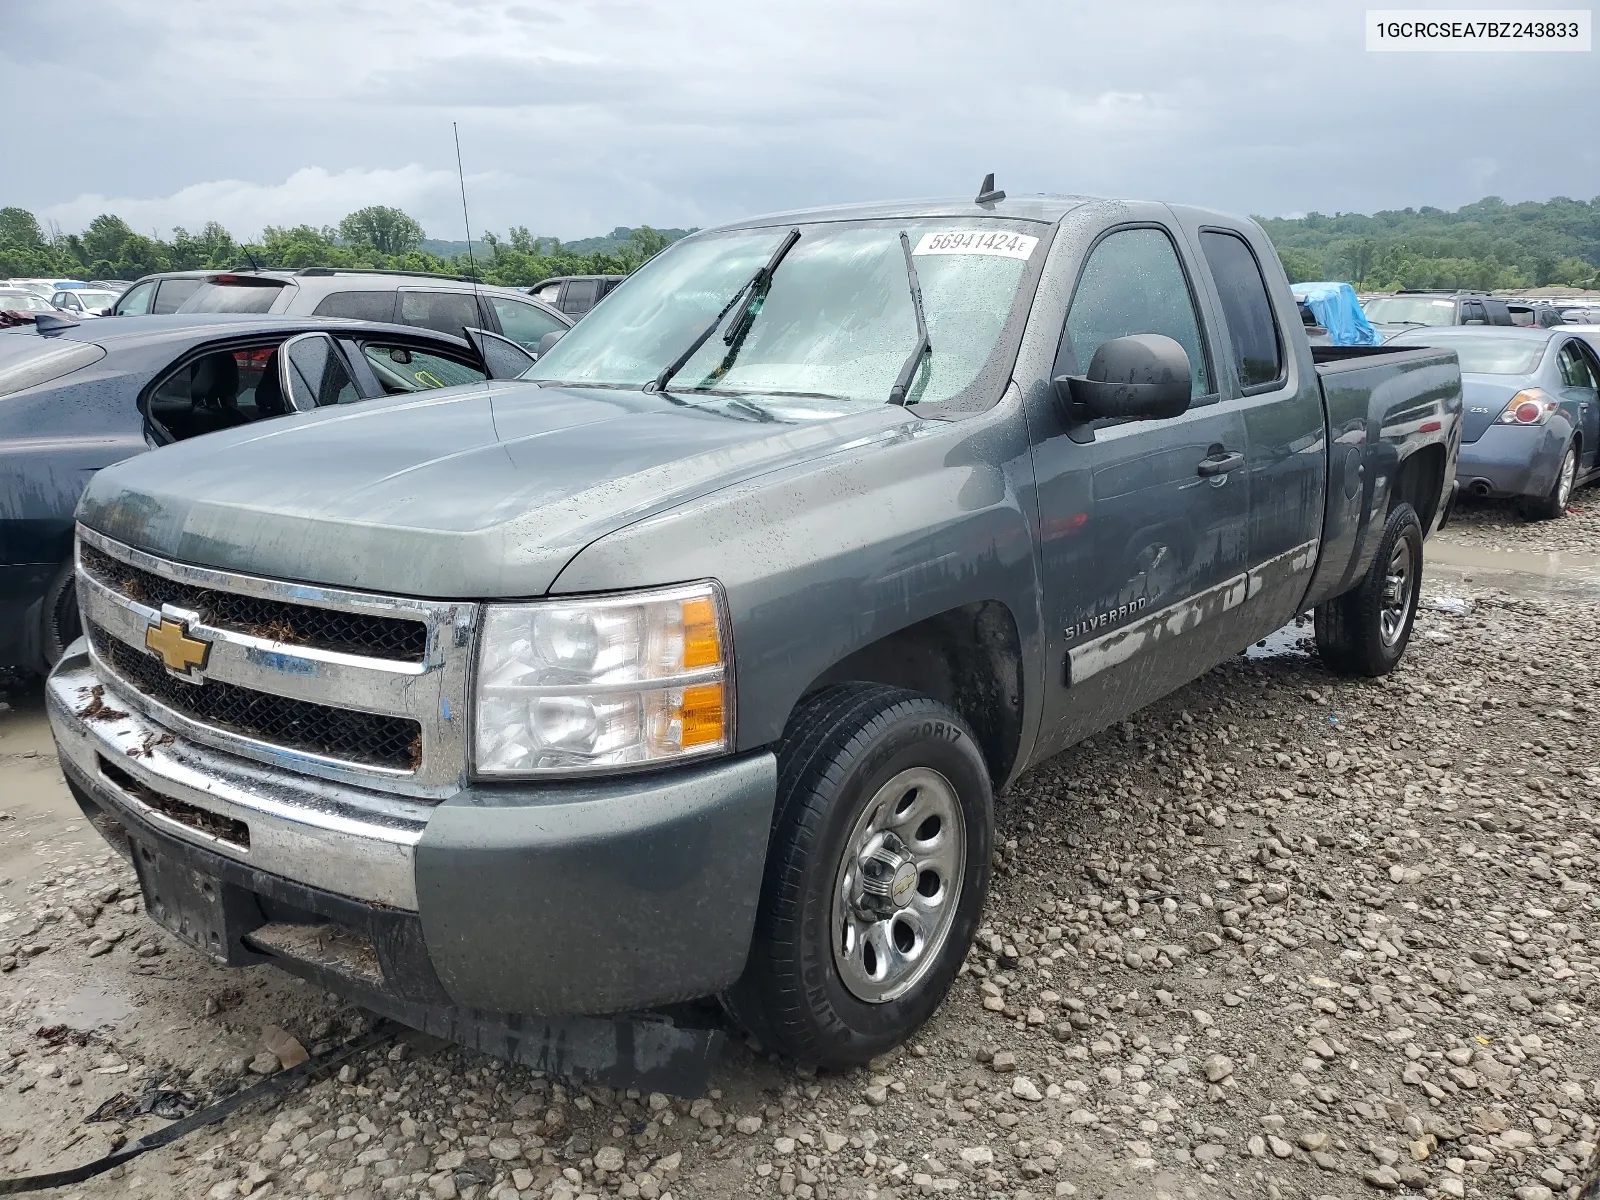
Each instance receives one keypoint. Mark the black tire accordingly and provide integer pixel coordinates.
(1366, 630)
(1554, 502)
(59, 625)
(840, 748)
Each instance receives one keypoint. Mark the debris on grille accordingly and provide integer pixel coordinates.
(369, 739)
(224, 829)
(394, 638)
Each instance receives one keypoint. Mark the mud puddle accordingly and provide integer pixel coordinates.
(1555, 573)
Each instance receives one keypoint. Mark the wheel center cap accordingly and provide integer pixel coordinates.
(888, 879)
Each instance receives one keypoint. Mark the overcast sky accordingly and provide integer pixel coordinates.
(579, 115)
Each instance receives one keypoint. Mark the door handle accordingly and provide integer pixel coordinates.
(1221, 464)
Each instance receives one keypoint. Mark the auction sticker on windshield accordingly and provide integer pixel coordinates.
(998, 242)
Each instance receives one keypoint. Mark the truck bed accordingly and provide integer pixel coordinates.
(1391, 413)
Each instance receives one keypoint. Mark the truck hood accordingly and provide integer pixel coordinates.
(466, 493)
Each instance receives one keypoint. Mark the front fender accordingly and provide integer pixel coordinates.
(822, 558)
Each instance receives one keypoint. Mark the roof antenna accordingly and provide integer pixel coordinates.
(987, 193)
(461, 175)
(254, 265)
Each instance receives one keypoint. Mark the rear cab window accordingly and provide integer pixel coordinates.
(1253, 338)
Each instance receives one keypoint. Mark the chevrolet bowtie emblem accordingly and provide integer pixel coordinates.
(180, 652)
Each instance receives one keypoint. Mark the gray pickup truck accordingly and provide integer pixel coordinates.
(688, 665)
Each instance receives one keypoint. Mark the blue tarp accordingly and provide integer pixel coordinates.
(1336, 307)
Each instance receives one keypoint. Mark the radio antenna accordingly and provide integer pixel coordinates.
(465, 220)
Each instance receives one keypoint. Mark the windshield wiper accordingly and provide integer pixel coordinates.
(902, 383)
(758, 284)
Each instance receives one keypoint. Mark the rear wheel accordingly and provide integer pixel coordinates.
(1366, 630)
(1554, 503)
(877, 871)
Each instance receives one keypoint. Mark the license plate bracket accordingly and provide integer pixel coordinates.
(206, 913)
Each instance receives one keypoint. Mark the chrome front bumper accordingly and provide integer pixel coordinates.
(354, 842)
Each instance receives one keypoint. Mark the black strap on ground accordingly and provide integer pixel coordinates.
(283, 1081)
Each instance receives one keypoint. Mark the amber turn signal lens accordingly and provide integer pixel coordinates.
(701, 647)
(702, 715)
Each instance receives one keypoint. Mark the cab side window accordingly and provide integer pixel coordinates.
(171, 293)
(360, 306)
(1134, 283)
(525, 324)
(218, 389)
(1472, 313)
(403, 369)
(1574, 367)
(1246, 309)
(136, 301)
(446, 312)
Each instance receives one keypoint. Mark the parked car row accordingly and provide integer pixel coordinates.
(75, 400)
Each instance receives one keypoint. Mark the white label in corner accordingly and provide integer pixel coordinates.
(999, 242)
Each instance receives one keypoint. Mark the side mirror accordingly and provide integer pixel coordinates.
(1141, 377)
(548, 340)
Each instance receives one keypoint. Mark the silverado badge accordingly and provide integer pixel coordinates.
(182, 654)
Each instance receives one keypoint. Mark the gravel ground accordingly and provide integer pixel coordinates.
(1280, 935)
(1497, 524)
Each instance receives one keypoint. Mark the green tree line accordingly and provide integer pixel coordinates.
(380, 237)
(1489, 244)
(1486, 245)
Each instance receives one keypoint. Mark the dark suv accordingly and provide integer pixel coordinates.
(443, 303)
(575, 294)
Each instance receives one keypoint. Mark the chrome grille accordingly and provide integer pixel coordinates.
(357, 737)
(297, 624)
(346, 685)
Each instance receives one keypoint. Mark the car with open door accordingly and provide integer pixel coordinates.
(444, 303)
(78, 397)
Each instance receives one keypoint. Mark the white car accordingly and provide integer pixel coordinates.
(20, 299)
(82, 302)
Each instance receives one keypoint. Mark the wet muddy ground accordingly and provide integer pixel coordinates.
(1280, 935)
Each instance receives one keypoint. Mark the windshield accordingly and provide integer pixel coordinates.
(1487, 355)
(95, 301)
(837, 323)
(1411, 310)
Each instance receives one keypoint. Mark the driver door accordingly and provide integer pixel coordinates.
(1143, 524)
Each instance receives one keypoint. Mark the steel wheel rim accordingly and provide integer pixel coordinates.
(1397, 585)
(1569, 472)
(887, 933)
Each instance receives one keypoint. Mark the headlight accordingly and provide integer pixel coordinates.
(569, 686)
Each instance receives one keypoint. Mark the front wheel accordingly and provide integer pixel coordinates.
(877, 871)
(1366, 630)
(1554, 502)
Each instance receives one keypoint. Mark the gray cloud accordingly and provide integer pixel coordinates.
(579, 116)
